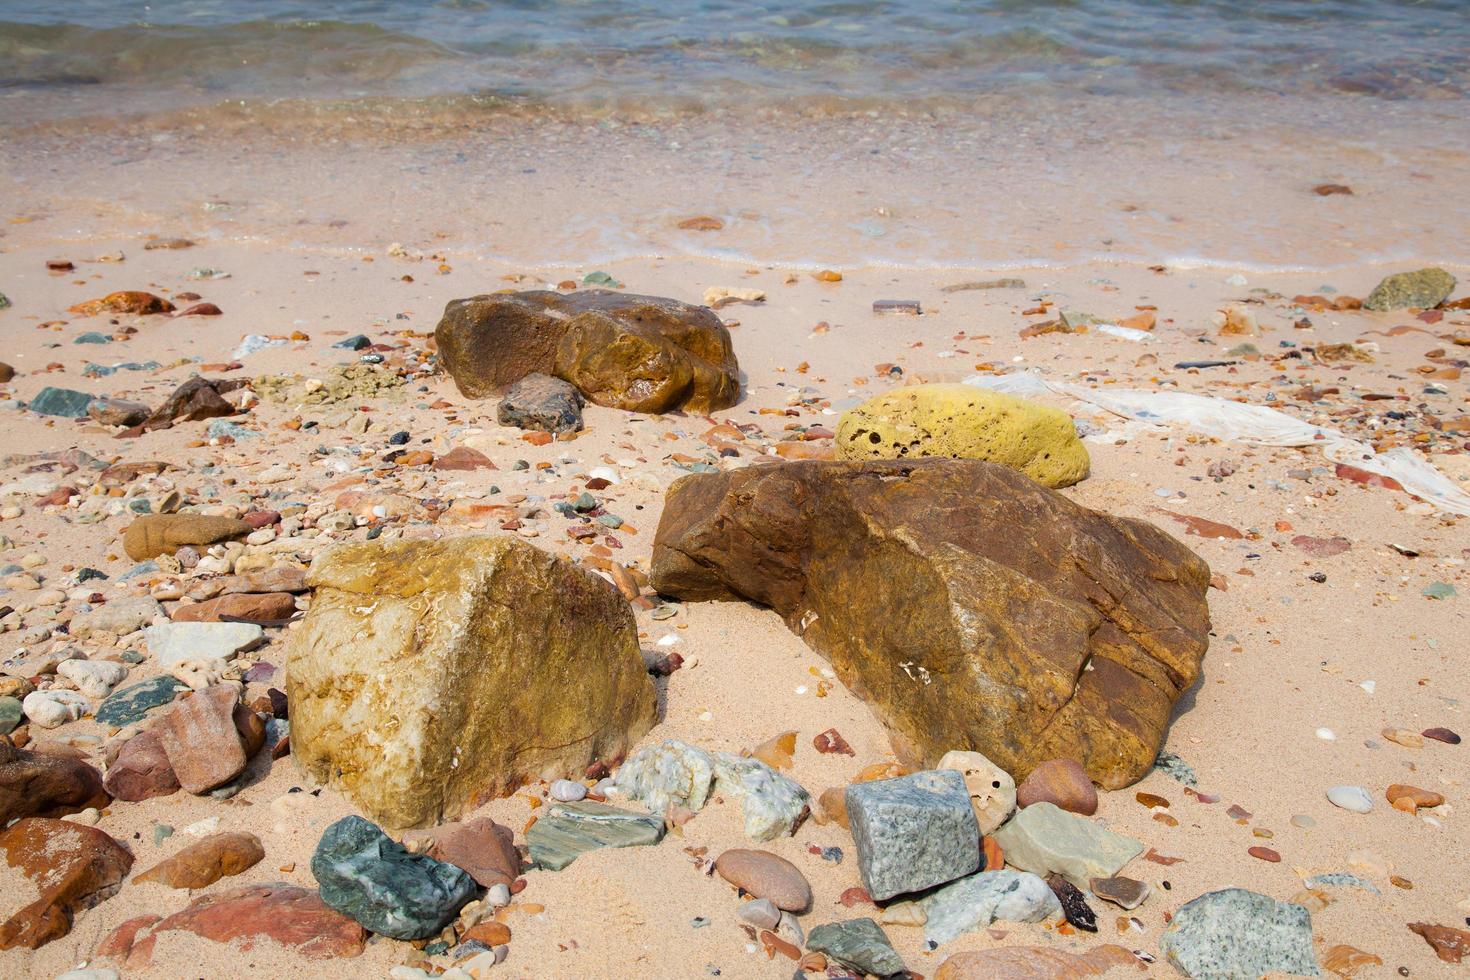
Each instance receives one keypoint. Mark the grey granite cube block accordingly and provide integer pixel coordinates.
(913, 832)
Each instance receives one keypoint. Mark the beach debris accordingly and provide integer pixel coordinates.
(907, 307)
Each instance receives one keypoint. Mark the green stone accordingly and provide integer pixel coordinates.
(10, 714)
(161, 833)
(857, 943)
(1238, 933)
(128, 705)
(366, 875)
(570, 830)
(63, 402)
(1043, 838)
(1424, 289)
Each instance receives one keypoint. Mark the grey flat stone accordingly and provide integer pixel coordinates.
(570, 830)
(673, 772)
(913, 832)
(1236, 934)
(857, 943)
(1043, 838)
(990, 896)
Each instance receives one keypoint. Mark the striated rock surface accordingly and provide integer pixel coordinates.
(430, 675)
(74, 867)
(541, 402)
(1029, 627)
(569, 830)
(965, 422)
(622, 350)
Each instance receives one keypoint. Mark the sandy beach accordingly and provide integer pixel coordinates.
(1336, 603)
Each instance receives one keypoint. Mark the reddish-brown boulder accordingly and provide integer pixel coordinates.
(141, 770)
(1061, 782)
(34, 784)
(266, 607)
(203, 863)
(74, 867)
(973, 608)
(294, 917)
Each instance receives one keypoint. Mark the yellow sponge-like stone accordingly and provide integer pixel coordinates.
(964, 422)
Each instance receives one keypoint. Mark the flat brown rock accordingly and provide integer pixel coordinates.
(622, 350)
(74, 866)
(294, 917)
(766, 875)
(481, 848)
(33, 784)
(1027, 627)
(282, 578)
(163, 534)
(203, 863)
(249, 607)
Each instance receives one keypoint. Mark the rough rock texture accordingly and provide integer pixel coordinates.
(992, 790)
(365, 875)
(569, 830)
(430, 675)
(672, 772)
(1424, 288)
(120, 616)
(913, 832)
(202, 864)
(1042, 838)
(1239, 933)
(1032, 963)
(141, 770)
(540, 402)
(206, 737)
(294, 917)
(965, 422)
(859, 943)
(163, 534)
(977, 901)
(36, 785)
(481, 848)
(1029, 627)
(74, 867)
(639, 353)
(193, 401)
(1062, 782)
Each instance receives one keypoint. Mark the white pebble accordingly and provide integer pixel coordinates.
(1326, 735)
(498, 895)
(1352, 798)
(567, 791)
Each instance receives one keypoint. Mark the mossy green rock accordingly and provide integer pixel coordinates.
(432, 675)
(857, 943)
(1422, 289)
(964, 422)
(367, 876)
(11, 714)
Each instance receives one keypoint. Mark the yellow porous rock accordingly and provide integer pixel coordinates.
(430, 676)
(964, 422)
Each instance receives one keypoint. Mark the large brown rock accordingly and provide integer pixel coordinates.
(163, 534)
(481, 848)
(202, 864)
(293, 917)
(33, 784)
(639, 353)
(430, 675)
(74, 867)
(973, 608)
